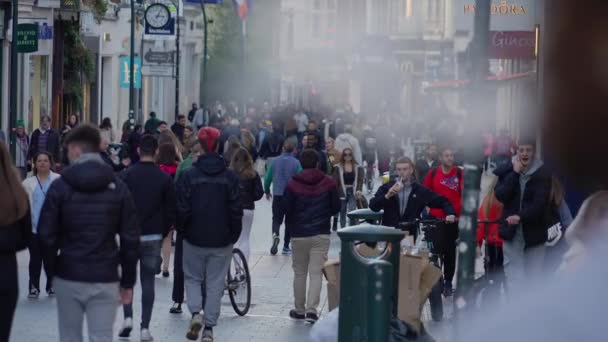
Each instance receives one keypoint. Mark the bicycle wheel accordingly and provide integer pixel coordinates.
(239, 283)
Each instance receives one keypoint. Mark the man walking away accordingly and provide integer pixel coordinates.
(279, 172)
(154, 197)
(311, 199)
(83, 212)
(209, 217)
(446, 180)
(192, 112)
(524, 187)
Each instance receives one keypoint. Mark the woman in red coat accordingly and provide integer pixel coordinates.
(491, 210)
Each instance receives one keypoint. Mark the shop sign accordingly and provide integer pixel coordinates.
(511, 44)
(70, 5)
(125, 72)
(506, 15)
(27, 38)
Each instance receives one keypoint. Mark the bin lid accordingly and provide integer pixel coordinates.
(365, 214)
(370, 233)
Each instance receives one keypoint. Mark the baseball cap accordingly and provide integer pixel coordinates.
(208, 137)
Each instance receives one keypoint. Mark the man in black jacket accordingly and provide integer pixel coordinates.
(83, 212)
(154, 197)
(523, 188)
(404, 200)
(209, 217)
(311, 199)
(46, 139)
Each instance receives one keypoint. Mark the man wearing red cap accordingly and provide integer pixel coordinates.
(209, 218)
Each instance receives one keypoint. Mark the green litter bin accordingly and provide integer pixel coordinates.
(372, 217)
(368, 286)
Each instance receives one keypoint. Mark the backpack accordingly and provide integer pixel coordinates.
(458, 174)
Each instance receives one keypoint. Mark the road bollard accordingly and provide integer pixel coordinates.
(368, 286)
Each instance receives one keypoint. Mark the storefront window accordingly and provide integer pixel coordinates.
(38, 90)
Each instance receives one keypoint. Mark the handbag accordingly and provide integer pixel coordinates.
(362, 203)
(260, 167)
(507, 231)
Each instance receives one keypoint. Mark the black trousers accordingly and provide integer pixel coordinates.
(278, 216)
(39, 256)
(450, 235)
(9, 291)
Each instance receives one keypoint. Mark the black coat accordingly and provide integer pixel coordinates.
(154, 196)
(311, 199)
(420, 198)
(272, 146)
(53, 145)
(251, 191)
(15, 236)
(83, 212)
(209, 208)
(178, 130)
(535, 203)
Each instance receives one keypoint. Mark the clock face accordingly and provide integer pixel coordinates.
(157, 15)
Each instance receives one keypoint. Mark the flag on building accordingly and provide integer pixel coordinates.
(242, 8)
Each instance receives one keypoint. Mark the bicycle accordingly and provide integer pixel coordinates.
(428, 231)
(238, 283)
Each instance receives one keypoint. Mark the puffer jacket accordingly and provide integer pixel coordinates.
(83, 212)
(209, 209)
(311, 199)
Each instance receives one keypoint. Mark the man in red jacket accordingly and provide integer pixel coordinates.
(446, 180)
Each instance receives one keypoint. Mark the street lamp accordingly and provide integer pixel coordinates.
(132, 68)
(203, 92)
(13, 74)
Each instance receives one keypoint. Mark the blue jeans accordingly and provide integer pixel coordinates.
(149, 266)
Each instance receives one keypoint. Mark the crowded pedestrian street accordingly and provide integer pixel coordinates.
(266, 321)
(303, 170)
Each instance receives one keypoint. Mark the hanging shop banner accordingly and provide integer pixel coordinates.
(510, 15)
(511, 44)
(27, 38)
(125, 72)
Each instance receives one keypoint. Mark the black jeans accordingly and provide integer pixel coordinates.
(149, 266)
(449, 251)
(39, 256)
(278, 215)
(9, 291)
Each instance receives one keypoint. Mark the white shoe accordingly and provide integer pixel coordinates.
(125, 331)
(146, 336)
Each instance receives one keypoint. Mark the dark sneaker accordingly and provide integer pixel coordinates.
(196, 324)
(207, 335)
(312, 317)
(275, 244)
(286, 251)
(447, 290)
(34, 293)
(295, 315)
(127, 327)
(165, 274)
(50, 292)
(176, 308)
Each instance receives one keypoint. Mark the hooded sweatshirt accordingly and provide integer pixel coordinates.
(311, 199)
(208, 203)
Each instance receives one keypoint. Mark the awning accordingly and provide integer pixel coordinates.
(459, 83)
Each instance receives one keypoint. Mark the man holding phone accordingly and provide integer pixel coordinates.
(523, 188)
(404, 200)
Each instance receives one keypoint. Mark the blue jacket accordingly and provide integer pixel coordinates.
(279, 172)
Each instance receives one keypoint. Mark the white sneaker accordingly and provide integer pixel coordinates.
(146, 336)
(125, 331)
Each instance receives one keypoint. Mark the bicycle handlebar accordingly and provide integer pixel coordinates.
(490, 221)
(416, 222)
